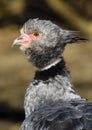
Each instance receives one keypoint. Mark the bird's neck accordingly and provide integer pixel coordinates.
(50, 85)
(59, 77)
(51, 65)
(43, 59)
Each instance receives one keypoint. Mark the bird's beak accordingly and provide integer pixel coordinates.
(20, 40)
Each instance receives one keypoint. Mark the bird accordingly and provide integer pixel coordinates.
(51, 102)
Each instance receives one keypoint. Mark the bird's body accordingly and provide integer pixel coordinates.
(68, 115)
(50, 101)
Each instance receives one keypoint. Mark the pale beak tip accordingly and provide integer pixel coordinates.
(15, 42)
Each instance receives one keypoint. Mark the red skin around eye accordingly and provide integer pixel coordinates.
(31, 36)
(27, 39)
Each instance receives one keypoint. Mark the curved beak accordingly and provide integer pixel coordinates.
(20, 40)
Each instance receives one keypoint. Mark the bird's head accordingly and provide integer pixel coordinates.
(43, 42)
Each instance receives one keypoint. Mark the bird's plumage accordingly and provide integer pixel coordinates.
(72, 115)
(51, 102)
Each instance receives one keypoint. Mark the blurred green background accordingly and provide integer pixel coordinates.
(16, 72)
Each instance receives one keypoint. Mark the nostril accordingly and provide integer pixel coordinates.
(19, 38)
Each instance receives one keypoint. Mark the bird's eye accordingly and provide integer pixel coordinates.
(36, 34)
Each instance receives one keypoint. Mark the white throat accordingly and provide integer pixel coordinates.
(52, 64)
